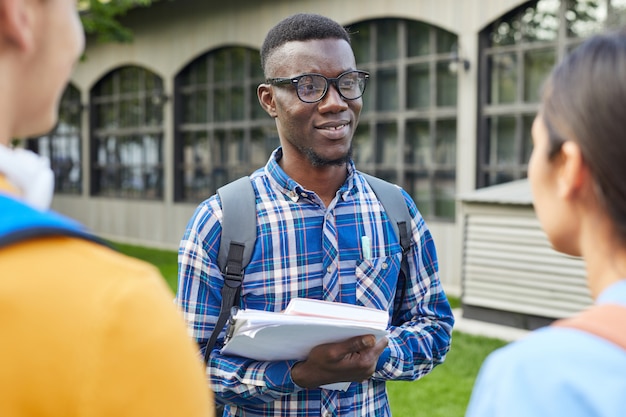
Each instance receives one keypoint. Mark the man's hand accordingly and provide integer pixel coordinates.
(352, 360)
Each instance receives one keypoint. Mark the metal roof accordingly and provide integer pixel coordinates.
(515, 192)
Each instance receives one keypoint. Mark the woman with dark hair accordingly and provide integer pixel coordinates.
(577, 171)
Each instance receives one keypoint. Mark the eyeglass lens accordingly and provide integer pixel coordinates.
(313, 87)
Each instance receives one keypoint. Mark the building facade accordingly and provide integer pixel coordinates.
(151, 128)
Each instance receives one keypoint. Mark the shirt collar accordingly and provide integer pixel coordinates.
(294, 191)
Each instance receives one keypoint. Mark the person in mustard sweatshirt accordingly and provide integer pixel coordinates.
(84, 330)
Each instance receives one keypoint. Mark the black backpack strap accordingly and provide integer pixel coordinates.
(393, 201)
(236, 244)
(233, 276)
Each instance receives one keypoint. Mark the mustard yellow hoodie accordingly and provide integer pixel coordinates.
(86, 331)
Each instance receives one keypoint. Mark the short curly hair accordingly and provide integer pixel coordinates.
(301, 27)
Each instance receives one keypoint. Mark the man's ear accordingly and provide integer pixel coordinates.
(16, 23)
(266, 98)
(573, 172)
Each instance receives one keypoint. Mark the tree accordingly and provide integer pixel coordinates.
(100, 18)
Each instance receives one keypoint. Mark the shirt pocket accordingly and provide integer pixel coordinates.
(376, 281)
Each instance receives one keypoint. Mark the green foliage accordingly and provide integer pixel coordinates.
(100, 18)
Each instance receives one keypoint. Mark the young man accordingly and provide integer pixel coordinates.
(85, 331)
(315, 211)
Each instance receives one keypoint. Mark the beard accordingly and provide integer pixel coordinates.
(318, 161)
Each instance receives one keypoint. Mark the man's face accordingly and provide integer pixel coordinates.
(321, 132)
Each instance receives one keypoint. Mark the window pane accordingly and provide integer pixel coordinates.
(386, 143)
(256, 71)
(417, 150)
(527, 140)
(541, 23)
(503, 78)
(221, 68)
(259, 151)
(360, 41)
(446, 85)
(257, 111)
(387, 40)
(387, 90)
(445, 145)
(236, 104)
(446, 41)
(221, 105)
(418, 86)
(584, 18)
(237, 64)
(537, 66)
(418, 186)
(445, 195)
(362, 145)
(418, 38)
(506, 33)
(503, 140)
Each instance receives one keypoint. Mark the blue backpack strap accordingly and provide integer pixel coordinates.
(236, 244)
(20, 222)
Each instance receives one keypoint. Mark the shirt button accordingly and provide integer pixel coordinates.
(384, 265)
(327, 414)
(328, 269)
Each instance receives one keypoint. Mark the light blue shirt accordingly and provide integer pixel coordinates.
(555, 372)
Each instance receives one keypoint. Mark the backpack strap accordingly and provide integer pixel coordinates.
(607, 321)
(237, 241)
(395, 206)
(22, 222)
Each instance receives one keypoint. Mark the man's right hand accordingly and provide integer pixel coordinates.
(352, 360)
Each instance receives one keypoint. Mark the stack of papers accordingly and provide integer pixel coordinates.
(305, 323)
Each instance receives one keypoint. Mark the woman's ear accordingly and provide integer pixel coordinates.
(16, 23)
(266, 98)
(573, 173)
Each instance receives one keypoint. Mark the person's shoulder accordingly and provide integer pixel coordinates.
(546, 352)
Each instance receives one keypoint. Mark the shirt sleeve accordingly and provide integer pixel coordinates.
(421, 336)
(233, 379)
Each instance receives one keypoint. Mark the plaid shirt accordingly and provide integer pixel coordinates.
(305, 249)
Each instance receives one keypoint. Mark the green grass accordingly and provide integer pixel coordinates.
(444, 392)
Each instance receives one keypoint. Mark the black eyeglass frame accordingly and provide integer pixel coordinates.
(295, 80)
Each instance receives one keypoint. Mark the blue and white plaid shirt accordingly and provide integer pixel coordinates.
(305, 249)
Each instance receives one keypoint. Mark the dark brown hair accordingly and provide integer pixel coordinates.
(584, 100)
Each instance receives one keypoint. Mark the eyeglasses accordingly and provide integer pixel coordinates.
(311, 88)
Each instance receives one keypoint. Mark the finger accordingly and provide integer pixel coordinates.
(359, 343)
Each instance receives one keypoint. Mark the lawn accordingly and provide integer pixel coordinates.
(444, 392)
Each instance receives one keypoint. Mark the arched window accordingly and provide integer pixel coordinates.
(517, 52)
(221, 131)
(408, 128)
(62, 146)
(127, 135)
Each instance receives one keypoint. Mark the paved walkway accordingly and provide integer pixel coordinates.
(482, 328)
